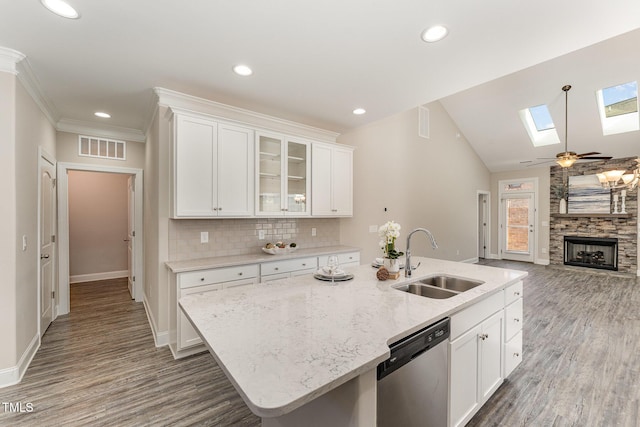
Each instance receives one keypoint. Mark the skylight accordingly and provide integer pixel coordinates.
(539, 125)
(618, 107)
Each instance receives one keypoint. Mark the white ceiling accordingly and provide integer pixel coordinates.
(314, 62)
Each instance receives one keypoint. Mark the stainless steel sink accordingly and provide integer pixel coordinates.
(426, 291)
(452, 283)
(439, 287)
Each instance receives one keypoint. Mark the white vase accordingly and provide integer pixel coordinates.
(394, 265)
(563, 206)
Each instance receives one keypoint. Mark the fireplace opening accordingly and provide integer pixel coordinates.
(591, 252)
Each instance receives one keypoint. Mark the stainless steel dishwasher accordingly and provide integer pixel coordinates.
(413, 384)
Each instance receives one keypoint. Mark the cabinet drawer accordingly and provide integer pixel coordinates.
(513, 292)
(346, 259)
(513, 318)
(216, 275)
(471, 316)
(512, 353)
(287, 266)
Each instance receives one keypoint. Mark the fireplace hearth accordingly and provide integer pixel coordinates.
(591, 252)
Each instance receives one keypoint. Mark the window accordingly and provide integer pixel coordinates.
(103, 148)
(618, 107)
(539, 125)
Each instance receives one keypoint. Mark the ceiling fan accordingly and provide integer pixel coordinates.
(567, 158)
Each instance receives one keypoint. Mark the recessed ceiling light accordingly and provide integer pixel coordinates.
(435, 33)
(242, 70)
(61, 8)
(102, 114)
(359, 111)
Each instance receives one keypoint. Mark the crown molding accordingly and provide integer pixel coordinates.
(9, 60)
(30, 82)
(87, 128)
(176, 100)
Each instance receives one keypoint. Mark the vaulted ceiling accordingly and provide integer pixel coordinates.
(314, 62)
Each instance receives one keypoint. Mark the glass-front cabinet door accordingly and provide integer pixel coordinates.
(269, 177)
(283, 184)
(298, 182)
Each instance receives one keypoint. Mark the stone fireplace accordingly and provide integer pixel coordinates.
(599, 227)
(591, 252)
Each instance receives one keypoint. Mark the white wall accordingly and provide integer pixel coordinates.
(542, 173)
(430, 183)
(98, 218)
(8, 243)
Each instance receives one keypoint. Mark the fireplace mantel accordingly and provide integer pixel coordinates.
(590, 215)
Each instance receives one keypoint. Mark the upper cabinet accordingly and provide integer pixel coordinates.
(213, 169)
(283, 182)
(332, 180)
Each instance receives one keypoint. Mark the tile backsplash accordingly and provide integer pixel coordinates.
(240, 236)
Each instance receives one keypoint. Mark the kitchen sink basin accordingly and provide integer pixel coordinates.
(426, 291)
(439, 287)
(451, 283)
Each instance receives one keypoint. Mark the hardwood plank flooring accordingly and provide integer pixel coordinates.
(581, 355)
(98, 366)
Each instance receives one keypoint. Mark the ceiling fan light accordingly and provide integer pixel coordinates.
(566, 162)
(602, 178)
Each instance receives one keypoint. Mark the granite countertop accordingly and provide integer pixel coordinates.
(258, 257)
(284, 343)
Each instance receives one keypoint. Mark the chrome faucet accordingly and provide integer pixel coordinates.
(407, 262)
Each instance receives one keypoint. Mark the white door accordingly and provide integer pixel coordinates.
(131, 234)
(517, 228)
(47, 242)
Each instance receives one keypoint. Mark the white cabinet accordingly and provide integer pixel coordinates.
(283, 181)
(287, 268)
(475, 356)
(212, 169)
(513, 327)
(347, 259)
(332, 180)
(201, 281)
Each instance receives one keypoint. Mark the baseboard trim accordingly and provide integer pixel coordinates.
(542, 261)
(471, 260)
(13, 375)
(160, 338)
(98, 276)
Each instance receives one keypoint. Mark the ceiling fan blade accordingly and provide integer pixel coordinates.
(546, 158)
(588, 154)
(596, 158)
(540, 163)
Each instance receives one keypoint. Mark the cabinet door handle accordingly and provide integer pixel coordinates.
(240, 274)
(219, 209)
(516, 354)
(515, 319)
(215, 209)
(304, 265)
(202, 279)
(484, 336)
(516, 294)
(276, 269)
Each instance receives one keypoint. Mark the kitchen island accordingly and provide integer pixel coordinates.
(302, 350)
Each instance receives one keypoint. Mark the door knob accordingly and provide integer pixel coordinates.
(44, 256)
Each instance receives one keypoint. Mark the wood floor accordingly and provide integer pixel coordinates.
(98, 366)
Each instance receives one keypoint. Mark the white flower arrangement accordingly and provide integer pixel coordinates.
(388, 233)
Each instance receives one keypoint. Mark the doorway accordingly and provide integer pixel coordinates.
(132, 236)
(518, 208)
(484, 216)
(46, 240)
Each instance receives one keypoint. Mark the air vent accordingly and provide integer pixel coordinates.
(423, 122)
(102, 148)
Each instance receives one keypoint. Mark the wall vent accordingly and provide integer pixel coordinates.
(89, 146)
(423, 122)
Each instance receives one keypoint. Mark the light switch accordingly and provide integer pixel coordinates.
(24, 242)
(373, 229)
(204, 237)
